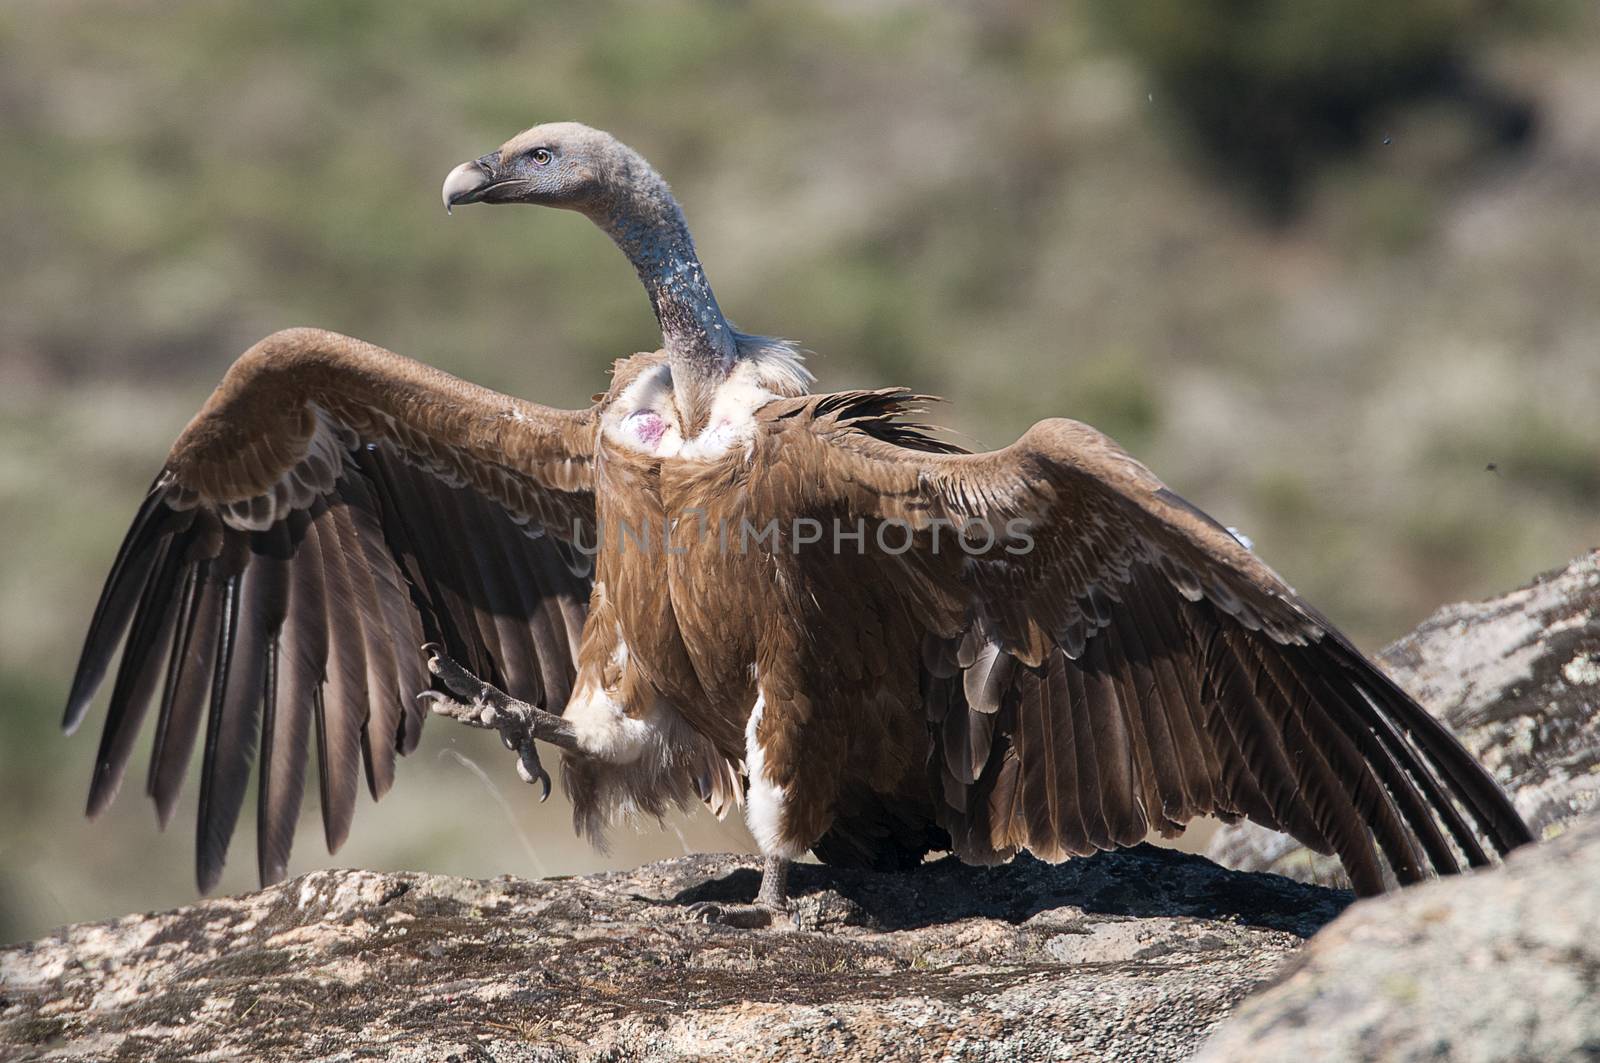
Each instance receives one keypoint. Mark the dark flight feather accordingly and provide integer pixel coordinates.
(260, 605)
(135, 559)
(139, 675)
(343, 703)
(294, 675)
(188, 688)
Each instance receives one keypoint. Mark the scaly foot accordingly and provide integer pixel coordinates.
(771, 904)
(739, 916)
(489, 707)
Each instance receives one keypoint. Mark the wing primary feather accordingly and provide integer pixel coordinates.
(1342, 793)
(144, 660)
(1401, 820)
(381, 730)
(1476, 790)
(295, 674)
(1387, 709)
(189, 677)
(1417, 769)
(391, 556)
(1239, 718)
(183, 633)
(260, 603)
(131, 569)
(222, 745)
(341, 703)
(267, 862)
(436, 613)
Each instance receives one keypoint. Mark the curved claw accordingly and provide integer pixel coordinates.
(531, 771)
(539, 776)
(444, 705)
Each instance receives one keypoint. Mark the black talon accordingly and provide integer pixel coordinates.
(542, 777)
(465, 684)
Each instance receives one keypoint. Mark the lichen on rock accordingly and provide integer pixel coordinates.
(1137, 953)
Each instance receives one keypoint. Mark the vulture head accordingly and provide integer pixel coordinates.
(568, 165)
(558, 164)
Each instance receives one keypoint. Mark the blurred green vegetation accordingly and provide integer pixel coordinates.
(1272, 89)
(1320, 266)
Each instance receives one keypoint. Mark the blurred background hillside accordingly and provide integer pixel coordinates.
(1331, 269)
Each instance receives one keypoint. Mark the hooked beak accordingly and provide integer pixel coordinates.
(467, 183)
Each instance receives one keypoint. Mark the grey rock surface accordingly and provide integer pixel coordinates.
(1503, 965)
(1129, 955)
(1138, 954)
(1517, 678)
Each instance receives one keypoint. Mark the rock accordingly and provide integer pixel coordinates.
(1134, 955)
(1517, 678)
(1503, 964)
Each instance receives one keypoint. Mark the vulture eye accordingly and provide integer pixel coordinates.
(540, 156)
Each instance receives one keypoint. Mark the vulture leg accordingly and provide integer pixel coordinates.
(771, 903)
(486, 706)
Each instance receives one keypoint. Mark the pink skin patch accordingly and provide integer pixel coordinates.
(647, 427)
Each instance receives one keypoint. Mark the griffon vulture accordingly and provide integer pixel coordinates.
(712, 584)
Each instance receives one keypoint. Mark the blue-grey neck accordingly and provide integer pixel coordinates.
(644, 219)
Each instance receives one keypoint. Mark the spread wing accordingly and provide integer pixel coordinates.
(330, 509)
(1104, 659)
